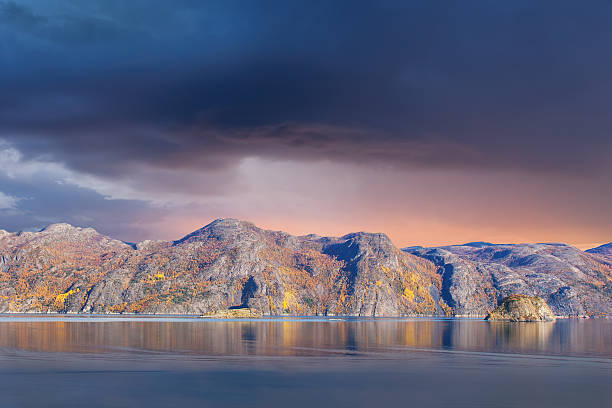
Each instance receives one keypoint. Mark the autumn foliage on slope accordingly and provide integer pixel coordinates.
(225, 264)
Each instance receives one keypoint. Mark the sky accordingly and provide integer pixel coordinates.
(436, 122)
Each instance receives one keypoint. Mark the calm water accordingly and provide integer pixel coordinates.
(157, 362)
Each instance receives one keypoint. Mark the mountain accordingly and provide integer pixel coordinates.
(476, 276)
(234, 264)
(226, 264)
(603, 250)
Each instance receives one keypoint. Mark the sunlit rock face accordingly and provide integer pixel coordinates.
(227, 264)
(521, 308)
(48, 270)
(476, 276)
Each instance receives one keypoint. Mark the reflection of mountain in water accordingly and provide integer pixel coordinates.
(304, 338)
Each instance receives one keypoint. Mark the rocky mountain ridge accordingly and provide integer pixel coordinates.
(477, 275)
(234, 264)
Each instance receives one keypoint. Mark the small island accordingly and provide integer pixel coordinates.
(521, 308)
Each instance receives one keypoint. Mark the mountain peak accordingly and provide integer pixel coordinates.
(375, 239)
(369, 235)
(64, 227)
(220, 228)
(228, 222)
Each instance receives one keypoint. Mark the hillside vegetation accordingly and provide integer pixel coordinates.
(231, 264)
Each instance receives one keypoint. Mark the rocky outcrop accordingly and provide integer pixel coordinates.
(522, 308)
(476, 276)
(231, 264)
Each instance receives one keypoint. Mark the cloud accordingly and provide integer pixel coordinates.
(35, 193)
(192, 106)
(7, 202)
(62, 28)
(492, 86)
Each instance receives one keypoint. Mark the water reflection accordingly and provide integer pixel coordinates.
(305, 338)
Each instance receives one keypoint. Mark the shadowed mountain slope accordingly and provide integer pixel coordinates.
(603, 250)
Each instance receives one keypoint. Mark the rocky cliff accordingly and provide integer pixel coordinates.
(232, 264)
(521, 308)
(476, 276)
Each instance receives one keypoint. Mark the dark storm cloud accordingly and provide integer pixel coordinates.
(71, 30)
(109, 86)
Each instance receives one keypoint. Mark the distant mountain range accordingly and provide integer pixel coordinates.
(233, 264)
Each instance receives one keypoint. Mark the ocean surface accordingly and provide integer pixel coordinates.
(72, 361)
